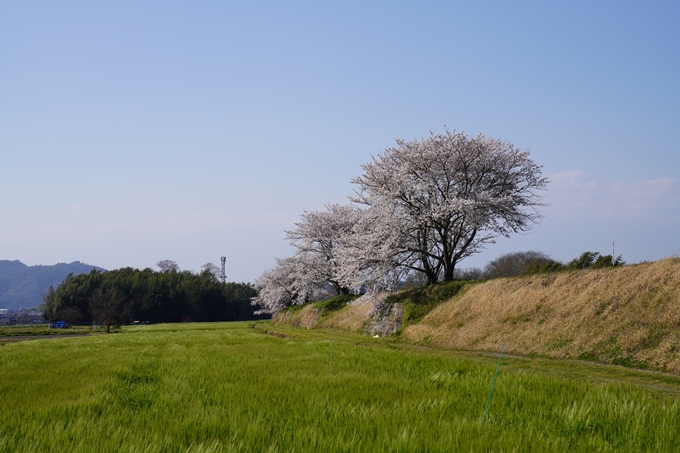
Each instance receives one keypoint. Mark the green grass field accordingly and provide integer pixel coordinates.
(230, 387)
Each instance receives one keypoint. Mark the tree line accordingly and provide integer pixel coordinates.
(531, 262)
(127, 294)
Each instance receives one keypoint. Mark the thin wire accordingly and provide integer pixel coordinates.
(488, 400)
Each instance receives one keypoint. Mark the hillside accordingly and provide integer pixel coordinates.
(627, 315)
(27, 284)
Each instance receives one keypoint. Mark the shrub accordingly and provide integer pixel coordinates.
(421, 300)
(514, 264)
(594, 260)
(541, 268)
(334, 303)
(607, 261)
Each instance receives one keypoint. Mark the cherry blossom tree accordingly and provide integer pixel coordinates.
(368, 256)
(290, 282)
(437, 201)
(320, 234)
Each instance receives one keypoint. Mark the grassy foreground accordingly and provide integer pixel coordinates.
(229, 387)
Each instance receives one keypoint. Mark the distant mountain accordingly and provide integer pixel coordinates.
(27, 284)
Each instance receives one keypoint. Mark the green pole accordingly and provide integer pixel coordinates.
(488, 400)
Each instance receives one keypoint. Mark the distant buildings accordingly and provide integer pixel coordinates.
(26, 316)
(7, 317)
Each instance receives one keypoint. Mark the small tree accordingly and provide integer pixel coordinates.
(108, 307)
(291, 282)
(213, 270)
(167, 266)
(49, 306)
(514, 264)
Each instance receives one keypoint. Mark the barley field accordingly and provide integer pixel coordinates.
(227, 387)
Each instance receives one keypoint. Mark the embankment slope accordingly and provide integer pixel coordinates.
(628, 315)
(353, 317)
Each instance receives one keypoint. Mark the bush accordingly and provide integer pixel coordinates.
(585, 260)
(595, 261)
(421, 300)
(334, 303)
(515, 264)
(541, 268)
(607, 261)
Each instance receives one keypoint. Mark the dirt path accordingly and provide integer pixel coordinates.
(6, 339)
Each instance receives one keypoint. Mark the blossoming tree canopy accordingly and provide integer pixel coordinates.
(425, 206)
(442, 198)
(321, 234)
(285, 285)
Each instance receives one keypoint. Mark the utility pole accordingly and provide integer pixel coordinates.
(17, 312)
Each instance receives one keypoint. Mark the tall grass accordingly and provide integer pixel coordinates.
(229, 387)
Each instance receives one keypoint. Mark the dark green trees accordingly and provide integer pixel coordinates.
(147, 295)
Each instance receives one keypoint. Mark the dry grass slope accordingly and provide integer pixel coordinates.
(351, 318)
(305, 317)
(628, 315)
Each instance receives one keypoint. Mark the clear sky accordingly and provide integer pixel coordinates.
(135, 131)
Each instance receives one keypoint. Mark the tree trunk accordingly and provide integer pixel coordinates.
(432, 277)
(449, 272)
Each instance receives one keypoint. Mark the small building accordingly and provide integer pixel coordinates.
(31, 316)
(7, 317)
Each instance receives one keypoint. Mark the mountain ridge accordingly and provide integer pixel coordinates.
(26, 284)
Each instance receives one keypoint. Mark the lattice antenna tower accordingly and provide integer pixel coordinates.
(223, 274)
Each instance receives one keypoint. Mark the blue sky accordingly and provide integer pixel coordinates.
(132, 132)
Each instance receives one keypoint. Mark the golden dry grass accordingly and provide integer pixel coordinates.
(627, 315)
(351, 318)
(305, 317)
